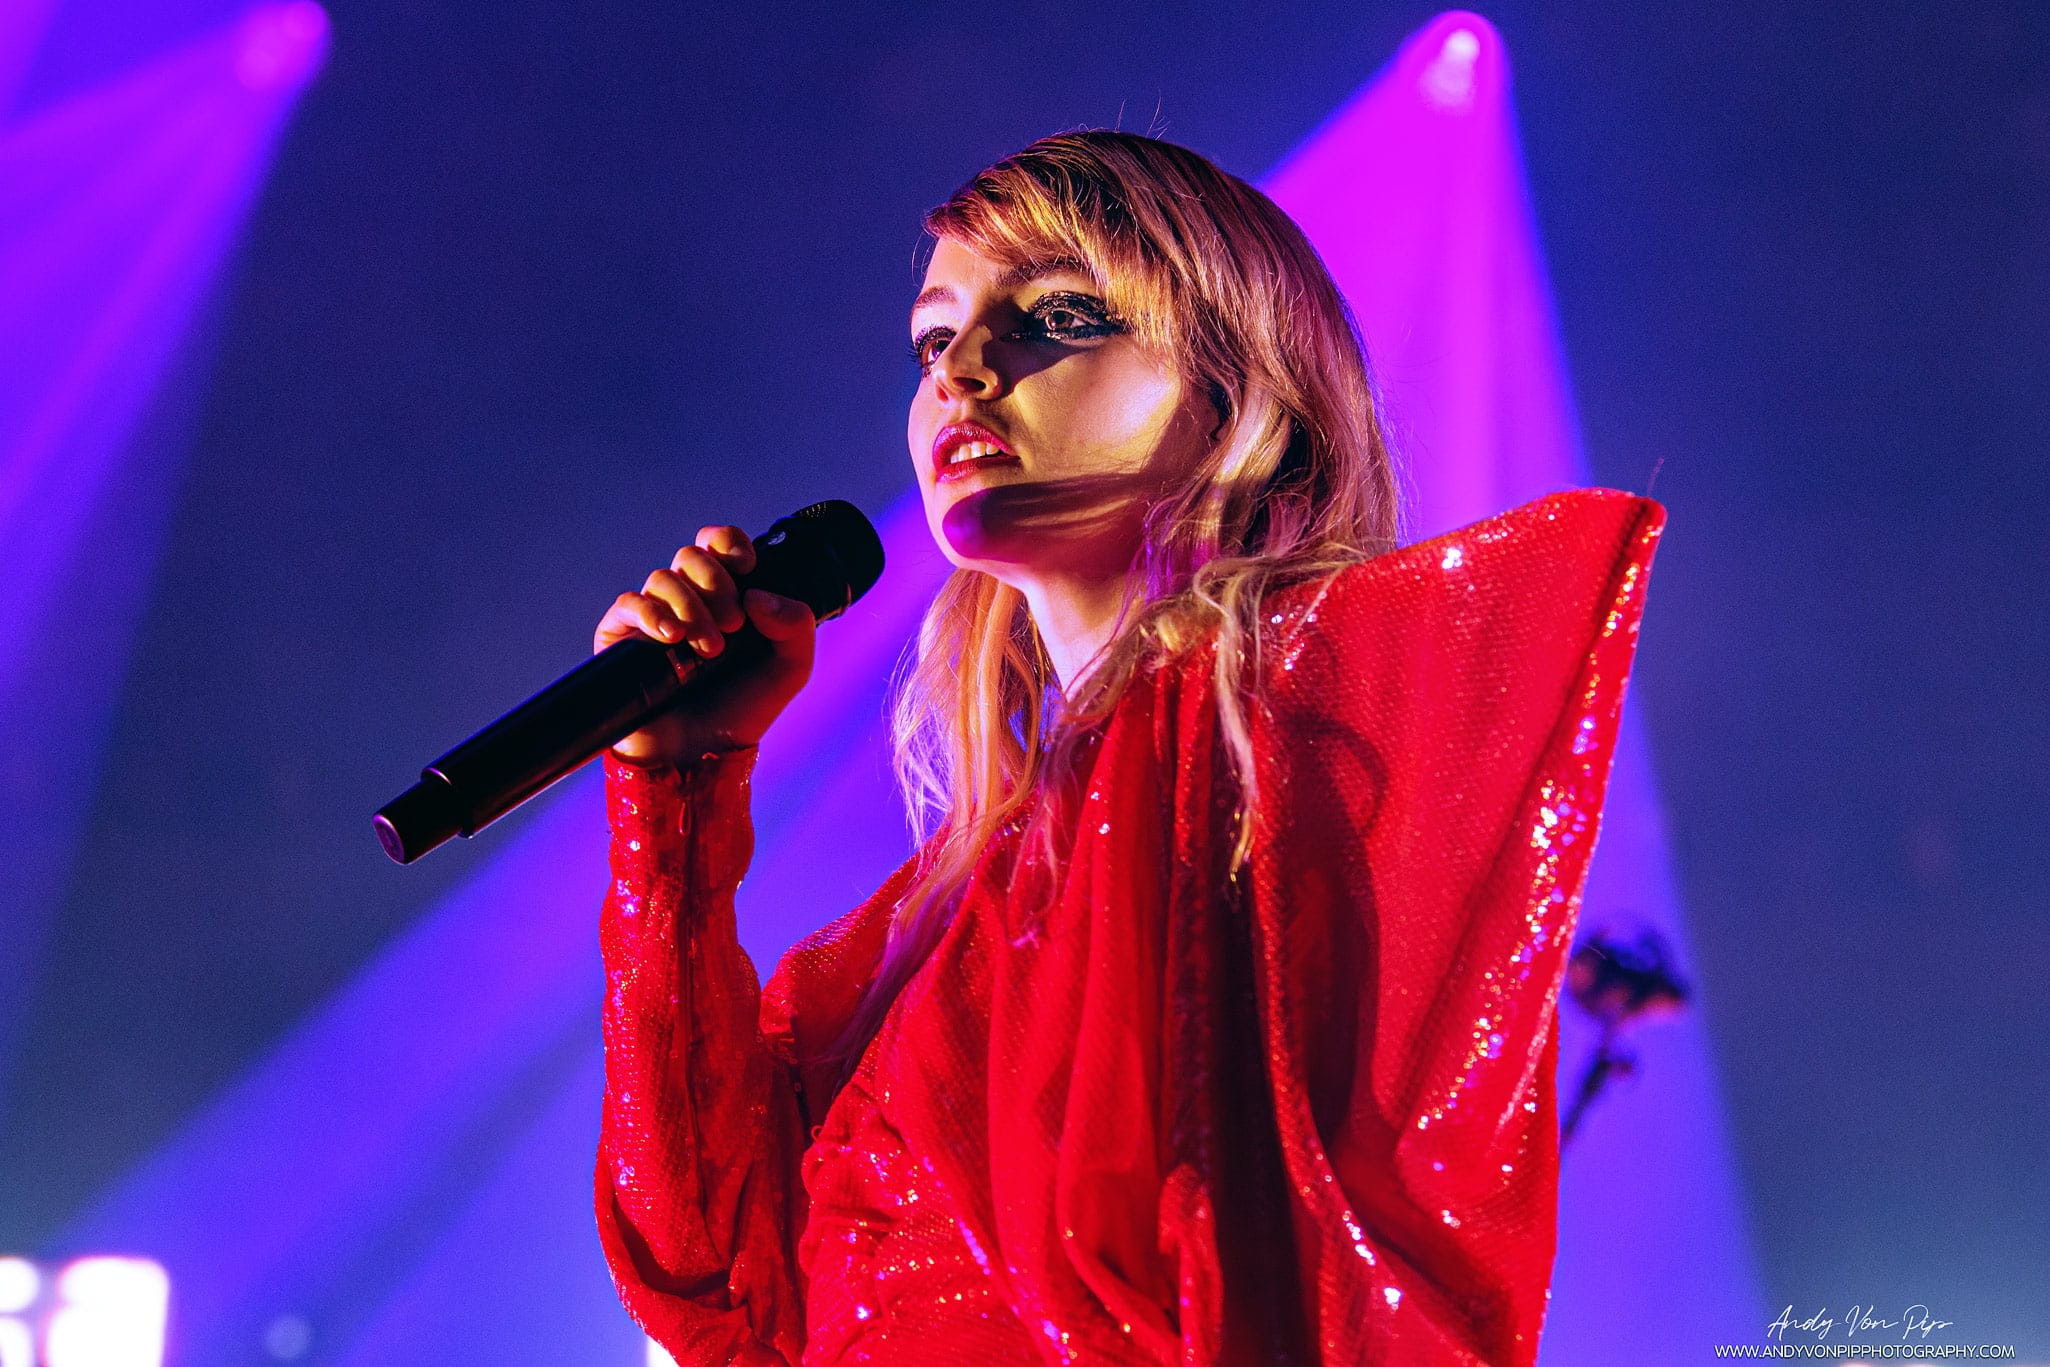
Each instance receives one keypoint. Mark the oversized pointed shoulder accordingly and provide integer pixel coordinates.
(1575, 532)
(1567, 566)
(1432, 753)
(1571, 521)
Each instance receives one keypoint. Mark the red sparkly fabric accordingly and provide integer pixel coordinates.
(1145, 1112)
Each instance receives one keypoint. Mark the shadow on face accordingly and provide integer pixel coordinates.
(1074, 522)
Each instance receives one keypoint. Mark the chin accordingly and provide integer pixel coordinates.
(978, 526)
(1021, 529)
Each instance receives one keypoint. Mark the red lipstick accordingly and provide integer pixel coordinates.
(955, 435)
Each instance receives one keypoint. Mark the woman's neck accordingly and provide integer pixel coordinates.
(1075, 617)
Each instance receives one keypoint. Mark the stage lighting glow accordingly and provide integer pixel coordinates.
(19, 1283)
(17, 1345)
(288, 1338)
(94, 1312)
(281, 45)
(110, 1312)
(1449, 80)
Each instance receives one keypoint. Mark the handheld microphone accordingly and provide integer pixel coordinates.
(825, 556)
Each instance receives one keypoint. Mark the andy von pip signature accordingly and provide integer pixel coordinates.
(1859, 1319)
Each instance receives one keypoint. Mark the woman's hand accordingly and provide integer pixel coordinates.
(695, 601)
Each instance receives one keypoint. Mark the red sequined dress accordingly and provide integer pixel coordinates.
(1145, 1112)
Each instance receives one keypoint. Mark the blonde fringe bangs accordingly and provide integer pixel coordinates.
(1209, 273)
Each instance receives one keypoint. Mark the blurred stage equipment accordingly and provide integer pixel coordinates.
(826, 556)
(90, 1312)
(1619, 985)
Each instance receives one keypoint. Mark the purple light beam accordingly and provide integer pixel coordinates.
(117, 209)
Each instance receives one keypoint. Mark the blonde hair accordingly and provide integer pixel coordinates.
(1211, 275)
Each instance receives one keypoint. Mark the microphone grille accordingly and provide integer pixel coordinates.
(852, 537)
(840, 531)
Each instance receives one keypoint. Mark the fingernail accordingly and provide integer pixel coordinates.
(668, 631)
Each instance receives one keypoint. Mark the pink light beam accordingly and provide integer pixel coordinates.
(1414, 193)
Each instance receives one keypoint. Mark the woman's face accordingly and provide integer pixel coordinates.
(1042, 429)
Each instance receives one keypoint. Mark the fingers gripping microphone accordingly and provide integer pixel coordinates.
(825, 556)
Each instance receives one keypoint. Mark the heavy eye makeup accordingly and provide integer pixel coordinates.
(1061, 316)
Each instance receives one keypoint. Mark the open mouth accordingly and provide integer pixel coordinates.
(964, 447)
(966, 460)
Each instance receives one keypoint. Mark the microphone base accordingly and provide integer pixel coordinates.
(425, 816)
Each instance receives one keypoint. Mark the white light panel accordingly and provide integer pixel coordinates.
(99, 1311)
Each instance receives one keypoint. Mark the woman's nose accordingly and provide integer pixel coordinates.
(962, 370)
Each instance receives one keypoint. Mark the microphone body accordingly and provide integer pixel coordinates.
(826, 556)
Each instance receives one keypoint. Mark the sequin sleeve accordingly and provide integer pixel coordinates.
(698, 1195)
(1432, 765)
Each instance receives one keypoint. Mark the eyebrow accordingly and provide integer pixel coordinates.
(1024, 273)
